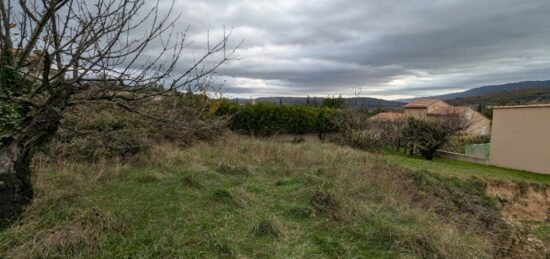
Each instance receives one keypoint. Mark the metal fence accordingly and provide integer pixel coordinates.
(477, 150)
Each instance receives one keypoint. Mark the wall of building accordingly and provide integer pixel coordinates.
(480, 124)
(423, 111)
(520, 138)
(416, 112)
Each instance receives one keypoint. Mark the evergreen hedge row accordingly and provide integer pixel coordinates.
(268, 119)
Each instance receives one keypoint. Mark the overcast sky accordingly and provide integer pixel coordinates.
(388, 49)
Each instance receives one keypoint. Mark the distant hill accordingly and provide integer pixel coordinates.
(485, 90)
(354, 103)
(513, 97)
(367, 102)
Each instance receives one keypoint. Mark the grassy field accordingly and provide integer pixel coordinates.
(466, 170)
(244, 197)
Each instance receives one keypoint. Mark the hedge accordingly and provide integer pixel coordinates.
(268, 119)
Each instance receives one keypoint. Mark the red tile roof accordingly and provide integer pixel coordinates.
(439, 111)
(421, 103)
(389, 116)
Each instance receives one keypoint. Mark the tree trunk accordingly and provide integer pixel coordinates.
(428, 154)
(15, 157)
(15, 181)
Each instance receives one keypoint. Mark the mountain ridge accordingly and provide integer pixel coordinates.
(485, 90)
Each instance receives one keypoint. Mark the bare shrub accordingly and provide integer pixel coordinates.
(101, 131)
(389, 126)
(429, 134)
(355, 130)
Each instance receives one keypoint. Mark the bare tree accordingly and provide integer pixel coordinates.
(428, 134)
(389, 126)
(60, 53)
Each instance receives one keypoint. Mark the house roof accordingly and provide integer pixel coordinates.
(389, 116)
(439, 111)
(421, 103)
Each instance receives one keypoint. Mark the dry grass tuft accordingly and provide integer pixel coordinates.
(89, 230)
(326, 203)
(269, 227)
(225, 197)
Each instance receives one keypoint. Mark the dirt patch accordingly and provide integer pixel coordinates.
(521, 202)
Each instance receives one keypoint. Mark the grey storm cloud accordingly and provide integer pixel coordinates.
(389, 49)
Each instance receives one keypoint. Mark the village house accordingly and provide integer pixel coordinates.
(479, 125)
(423, 107)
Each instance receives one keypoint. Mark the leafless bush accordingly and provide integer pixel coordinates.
(429, 134)
(355, 130)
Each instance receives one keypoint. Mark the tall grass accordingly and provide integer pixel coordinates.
(245, 197)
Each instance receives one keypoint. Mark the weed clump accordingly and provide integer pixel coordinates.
(269, 228)
(190, 181)
(228, 169)
(222, 196)
(326, 203)
(226, 197)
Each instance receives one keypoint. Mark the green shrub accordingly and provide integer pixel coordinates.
(266, 119)
(333, 102)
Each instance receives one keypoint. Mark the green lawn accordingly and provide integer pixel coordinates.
(465, 169)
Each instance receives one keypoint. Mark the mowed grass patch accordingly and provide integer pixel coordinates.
(466, 170)
(246, 197)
